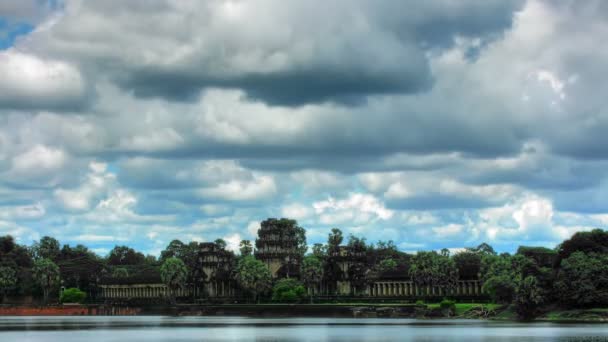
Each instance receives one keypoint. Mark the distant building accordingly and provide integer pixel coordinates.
(348, 271)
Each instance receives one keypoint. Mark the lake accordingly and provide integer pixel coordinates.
(157, 328)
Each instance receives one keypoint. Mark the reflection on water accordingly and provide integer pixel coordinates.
(147, 328)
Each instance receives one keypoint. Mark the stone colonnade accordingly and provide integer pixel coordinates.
(140, 291)
(409, 288)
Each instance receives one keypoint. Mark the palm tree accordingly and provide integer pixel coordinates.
(46, 274)
(312, 273)
(173, 273)
(8, 280)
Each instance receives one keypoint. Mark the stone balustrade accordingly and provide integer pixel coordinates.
(139, 291)
(410, 289)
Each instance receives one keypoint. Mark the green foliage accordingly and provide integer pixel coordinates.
(174, 274)
(583, 280)
(221, 243)
(334, 240)
(312, 271)
(120, 272)
(246, 248)
(46, 248)
(8, 280)
(420, 302)
(288, 290)
(357, 244)
(468, 264)
(387, 265)
(432, 269)
(447, 304)
(46, 275)
(483, 249)
(253, 276)
(595, 241)
(543, 256)
(500, 288)
(123, 255)
(175, 249)
(72, 295)
(529, 297)
(319, 250)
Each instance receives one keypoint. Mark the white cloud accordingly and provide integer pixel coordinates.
(29, 81)
(97, 182)
(357, 208)
(260, 187)
(296, 211)
(232, 241)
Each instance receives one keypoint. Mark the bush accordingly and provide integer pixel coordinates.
(447, 304)
(73, 295)
(288, 291)
(420, 302)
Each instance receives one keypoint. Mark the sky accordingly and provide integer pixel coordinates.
(435, 124)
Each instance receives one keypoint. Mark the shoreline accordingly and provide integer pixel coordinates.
(377, 310)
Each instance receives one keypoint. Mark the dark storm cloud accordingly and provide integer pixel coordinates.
(289, 54)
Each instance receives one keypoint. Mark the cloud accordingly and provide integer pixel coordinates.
(282, 54)
(446, 125)
(30, 82)
(356, 208)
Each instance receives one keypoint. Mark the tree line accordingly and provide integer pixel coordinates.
(574, 274)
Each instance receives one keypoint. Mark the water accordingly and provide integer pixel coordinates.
(147, 328)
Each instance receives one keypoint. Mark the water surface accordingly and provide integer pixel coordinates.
(156, 328)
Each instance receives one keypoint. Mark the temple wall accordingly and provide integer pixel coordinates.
(410, 289)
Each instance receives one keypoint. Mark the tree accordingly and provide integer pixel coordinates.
(123, 255)
(431, 269)
(46, 275)
(288, 290)
(8, 280)
(72, 295)
(468, 264)
(357, 244)
(529, 297)
(334, 240)
(595, 241)
(312, 273)
(173, 273)
(246, 248)
(500, 288)
(387, 265)
(14, 255)
(582, 280)
(253, 276)
(319, 250)
(499, 277)
(175, 249)
(221, 243)
(483, 249)
(46, 248)
(120, 272)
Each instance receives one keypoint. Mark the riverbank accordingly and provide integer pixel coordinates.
(362, 310)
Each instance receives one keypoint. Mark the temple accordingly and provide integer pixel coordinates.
(349, 271)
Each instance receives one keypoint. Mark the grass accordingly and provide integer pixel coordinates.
(461, 308)
(588, 315)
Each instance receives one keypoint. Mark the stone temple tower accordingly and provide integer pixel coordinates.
(281, 245)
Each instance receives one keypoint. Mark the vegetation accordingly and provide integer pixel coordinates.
(312, 273)
(253, 276)
(173, 273)
(571, 278)
(72, 295)
(288, 290)
(46, 275)
(8, 280)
